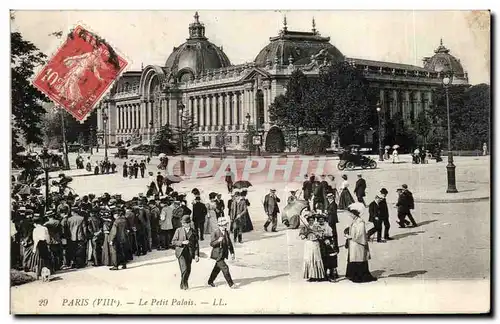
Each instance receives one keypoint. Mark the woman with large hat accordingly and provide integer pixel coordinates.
(357, 246)
(42, 257)
(345, 195)
(313, 263)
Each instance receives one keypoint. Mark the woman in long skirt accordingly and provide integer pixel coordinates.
(345, 195)
(247, 224)
(106, 250)
(211, 220)
(313, 263)
(358, 251)
(42, 257)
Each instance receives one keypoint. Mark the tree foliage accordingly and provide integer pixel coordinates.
(27, 109)
(163, 141)
(422, 126)
(248, 140)
(187, 131)
(275, 141)
(220, 139)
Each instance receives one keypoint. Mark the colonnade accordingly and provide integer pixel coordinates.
(408, 102)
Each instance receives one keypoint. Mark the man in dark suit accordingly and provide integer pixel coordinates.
(159, 183)
(187, 248)
(271, 208)
(118, 240)
(331, 211)
(384, 213)
(307, 187)
(199, 214)
(76, 230)
(374, 211)
(221, 247)
(404, 204)
(360, 189)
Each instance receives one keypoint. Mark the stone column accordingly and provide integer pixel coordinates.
(100, 126)
(212, 111)
(203, 113)
(196, 109)
(220, 99)
(235, 107)
(227, 107)
(406, 105)
(418, 99)
(394, 109)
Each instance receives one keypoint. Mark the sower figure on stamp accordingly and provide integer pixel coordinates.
(221, 247)
(187, 248)
(271, 208)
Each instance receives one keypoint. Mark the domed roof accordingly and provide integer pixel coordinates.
(299, 46)
(443, 61)
(196, 55)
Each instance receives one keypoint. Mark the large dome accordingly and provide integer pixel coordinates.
(443, 61)
(196, 55)
(299, 46)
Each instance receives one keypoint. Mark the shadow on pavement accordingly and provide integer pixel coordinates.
(410, 274)
(400, 236)
(377, 273)
(150, 264)
(247, 281)
(427, 222)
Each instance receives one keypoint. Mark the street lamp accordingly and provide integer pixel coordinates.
(45, 159)
(248, 132)
(151, 139)
(180, 107)
(452, 186)
(105, 123)
(380, 149)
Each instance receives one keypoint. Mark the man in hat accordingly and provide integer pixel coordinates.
(404, 204)
(159, 181)
(131, 218)
(221, 247)
(155, 222)
(76, 229)
(374, 212)
(53, 225)
(166, 226)
(96, 236)
(240, 215)
(384, 213)
(187, 248)
(118, 241)
(271, 208)
(229, 178)
(199, 215)
(360, 189)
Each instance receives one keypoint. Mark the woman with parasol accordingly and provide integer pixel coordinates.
(313, 263)
(395, 155)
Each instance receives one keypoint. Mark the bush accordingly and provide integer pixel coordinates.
(313, 144)
(275, 141)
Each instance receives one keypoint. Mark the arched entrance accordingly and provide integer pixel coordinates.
(275, 140)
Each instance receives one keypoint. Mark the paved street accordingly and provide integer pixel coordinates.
(435, 267)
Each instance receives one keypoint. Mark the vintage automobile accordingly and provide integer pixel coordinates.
(351, 158)
(122, 153)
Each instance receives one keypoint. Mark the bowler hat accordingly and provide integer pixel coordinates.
(186, 219)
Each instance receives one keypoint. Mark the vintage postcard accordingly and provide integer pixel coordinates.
(250, 162)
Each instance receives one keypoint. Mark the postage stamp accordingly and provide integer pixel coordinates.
(80, 72)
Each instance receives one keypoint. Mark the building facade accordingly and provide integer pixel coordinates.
(199, 81)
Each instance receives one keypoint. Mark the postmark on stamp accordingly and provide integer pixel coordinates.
(80, 72)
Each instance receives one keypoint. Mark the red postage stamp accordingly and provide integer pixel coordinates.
(80, 72)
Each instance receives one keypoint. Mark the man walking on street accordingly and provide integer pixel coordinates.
(384, 213)
(159, 182)
(404, 204)
(374, 211)
(360, 189)
(187, 248)
(199, 214)
(221, 247)
(271, 208)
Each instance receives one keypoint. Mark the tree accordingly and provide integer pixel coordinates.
(422, 126)
(397, 132)
(342, 101)
(248, 140)
(163, 141)
(189, 140)
(27, 109)
(275, 141)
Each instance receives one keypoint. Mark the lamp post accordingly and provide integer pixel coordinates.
(247, 117)
(91, 141)
(151, 139)
(45, 158)
(380, 149)
(452, 186)
(105, 133)
(180, 107)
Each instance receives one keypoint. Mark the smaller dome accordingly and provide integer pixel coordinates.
(443, 61)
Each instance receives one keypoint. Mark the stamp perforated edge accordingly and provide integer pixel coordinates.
(39, 69)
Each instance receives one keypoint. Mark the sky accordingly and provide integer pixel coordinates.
(148, 37)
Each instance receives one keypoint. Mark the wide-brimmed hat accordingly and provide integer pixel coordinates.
(329, 195)
(320, 215)
(222, 221)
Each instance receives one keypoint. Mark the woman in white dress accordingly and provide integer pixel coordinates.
(313, 263)
(42, 257)
(211, 220)
(345, 195)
